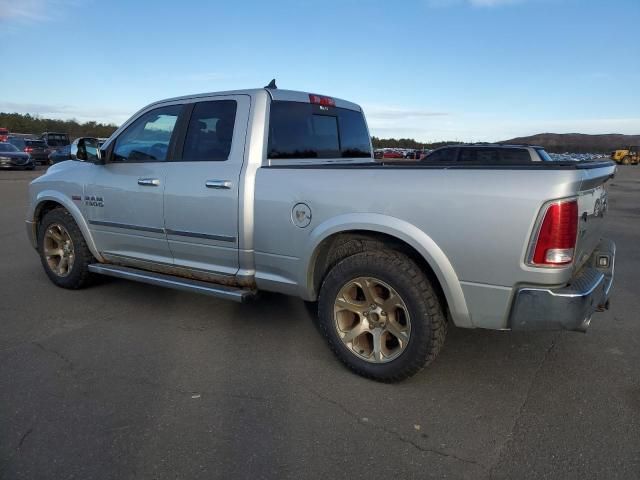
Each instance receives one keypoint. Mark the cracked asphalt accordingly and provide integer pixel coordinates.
(125, 380)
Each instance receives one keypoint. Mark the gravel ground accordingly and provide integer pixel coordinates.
(126, 380)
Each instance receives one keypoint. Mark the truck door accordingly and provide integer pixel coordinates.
(202, 184)
(123, 200)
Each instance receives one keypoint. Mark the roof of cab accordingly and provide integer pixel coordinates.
(275, 93)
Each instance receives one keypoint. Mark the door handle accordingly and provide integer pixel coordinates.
(149, 182)
(221, 184)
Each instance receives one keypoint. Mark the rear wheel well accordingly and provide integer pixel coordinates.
(339, 246)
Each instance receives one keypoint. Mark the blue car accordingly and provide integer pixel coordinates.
(11, 157)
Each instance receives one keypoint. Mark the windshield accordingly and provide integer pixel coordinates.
(7, 147)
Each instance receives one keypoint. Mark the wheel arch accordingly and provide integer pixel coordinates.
(49, 200)
(343, 236)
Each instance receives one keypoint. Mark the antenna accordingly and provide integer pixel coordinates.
(272, 85)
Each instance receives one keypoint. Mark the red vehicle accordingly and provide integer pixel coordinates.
(391, 154)
(4, 134)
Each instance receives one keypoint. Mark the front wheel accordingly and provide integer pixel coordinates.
(626, 160)
(63, 251)
(381, 315)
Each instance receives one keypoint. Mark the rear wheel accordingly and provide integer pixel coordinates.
(381, 316)
(626, 160)
(63, 251)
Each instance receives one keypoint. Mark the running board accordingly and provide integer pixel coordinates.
(178, 283)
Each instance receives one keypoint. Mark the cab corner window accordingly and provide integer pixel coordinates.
(147, 139)
(210, 132)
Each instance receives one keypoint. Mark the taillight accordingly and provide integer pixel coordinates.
(556, 237)
(28, 149)
(320, 100)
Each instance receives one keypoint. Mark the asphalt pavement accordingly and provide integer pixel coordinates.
(125, 380)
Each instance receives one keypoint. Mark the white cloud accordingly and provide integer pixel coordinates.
(384, 113)
(473, 3)
(206, 77)
(16, 11)
(492, 3)
(427, 127)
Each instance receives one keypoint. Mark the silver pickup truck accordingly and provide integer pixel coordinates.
(231, 193)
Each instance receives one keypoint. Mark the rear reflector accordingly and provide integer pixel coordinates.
(320, 100)
(556, 239)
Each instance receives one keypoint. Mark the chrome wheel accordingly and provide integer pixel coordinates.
(58, 250)
(372, 320)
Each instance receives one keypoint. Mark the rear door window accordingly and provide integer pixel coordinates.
(210, 131)
(305, 130)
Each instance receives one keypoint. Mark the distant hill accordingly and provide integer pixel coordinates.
(579, 142)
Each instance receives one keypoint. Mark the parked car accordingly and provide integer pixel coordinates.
(486, 154)
(55, 140)
(36, 148)
(60, 155)
(232, 193)
(11, 157)
(389, 153)
(4, 134)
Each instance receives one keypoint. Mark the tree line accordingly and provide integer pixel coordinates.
(26, 123)
(406, 143)
(33, 124)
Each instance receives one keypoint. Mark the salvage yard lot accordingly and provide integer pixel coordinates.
(127, 380)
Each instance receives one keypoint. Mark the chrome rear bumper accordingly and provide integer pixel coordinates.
(569, 307)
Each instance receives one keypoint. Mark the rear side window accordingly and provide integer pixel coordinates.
(57, 139)
(515, 155)
(479, 155)
(305, 130)
(442, 155)
(210, 131)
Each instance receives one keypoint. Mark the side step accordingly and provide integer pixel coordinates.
(178, 283)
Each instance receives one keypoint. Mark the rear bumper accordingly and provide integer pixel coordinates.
(569, 307)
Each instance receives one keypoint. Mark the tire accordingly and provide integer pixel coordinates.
(409, 336)
(626, 160)
(59, 223)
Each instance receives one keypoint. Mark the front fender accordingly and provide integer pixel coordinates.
(403, 231)
(72, 208)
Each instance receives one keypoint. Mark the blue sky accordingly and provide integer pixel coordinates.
(473, 70)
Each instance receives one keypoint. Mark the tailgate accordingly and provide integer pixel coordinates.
(592, 207)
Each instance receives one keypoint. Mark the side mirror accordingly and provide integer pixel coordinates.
(81, 151)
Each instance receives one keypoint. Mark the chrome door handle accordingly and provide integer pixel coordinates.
(149, 182)
(224, 184)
